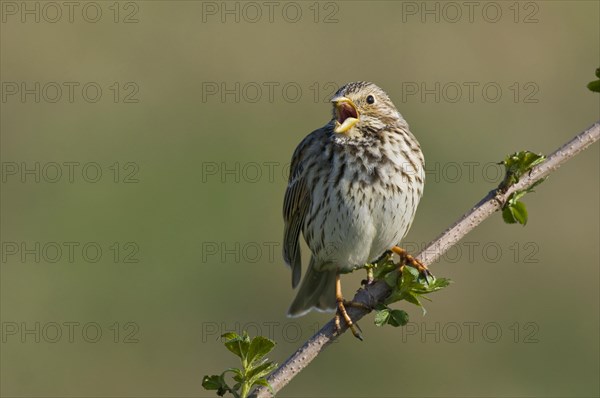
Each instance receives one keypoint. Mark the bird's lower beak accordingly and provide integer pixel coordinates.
(346, 114)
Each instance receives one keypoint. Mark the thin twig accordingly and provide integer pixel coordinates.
(378, 291)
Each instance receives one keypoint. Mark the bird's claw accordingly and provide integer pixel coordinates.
(370, 277)
(341, 313)
(409, 260)
(354, 328)
(426, 274)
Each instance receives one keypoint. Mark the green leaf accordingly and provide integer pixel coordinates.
(391, 279)
(515, 211)
(259, 347)
(217, 382)
(595, 85)
(508, 216)
(388, 316)
(519, 212)
(413, 299)
(231, 336)
(398, 318)
(239, 345)
(382, 316)
(213, 382)
(261, 370)
(410, 273)
(238, 375)
(440, 283)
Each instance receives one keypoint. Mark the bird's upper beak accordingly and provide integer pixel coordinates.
(346, 114)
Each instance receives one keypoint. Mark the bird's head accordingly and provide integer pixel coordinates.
(362, 107)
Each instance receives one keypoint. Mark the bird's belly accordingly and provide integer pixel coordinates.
(362, 227)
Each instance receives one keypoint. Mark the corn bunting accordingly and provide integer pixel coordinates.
(353, 190)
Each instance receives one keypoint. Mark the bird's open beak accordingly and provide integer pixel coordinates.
(346, 114)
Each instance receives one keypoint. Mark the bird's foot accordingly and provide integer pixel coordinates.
(369, 280)
(407, 259)
(342, 313)
(357, 304)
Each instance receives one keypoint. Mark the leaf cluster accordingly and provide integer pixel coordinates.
(517, 165)
(406, 285)
(255, 367)
(595, 85)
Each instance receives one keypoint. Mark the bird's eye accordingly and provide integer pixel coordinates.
(370, 99)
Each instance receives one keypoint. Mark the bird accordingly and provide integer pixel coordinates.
(353, 190)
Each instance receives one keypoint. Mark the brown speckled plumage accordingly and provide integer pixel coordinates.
(352, 194)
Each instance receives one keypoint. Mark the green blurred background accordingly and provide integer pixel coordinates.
(204, 222)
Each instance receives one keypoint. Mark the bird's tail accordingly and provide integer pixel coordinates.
(316, 291)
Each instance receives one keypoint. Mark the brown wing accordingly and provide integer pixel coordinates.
(295, 206)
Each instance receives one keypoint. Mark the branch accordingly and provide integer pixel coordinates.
(377, 292)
